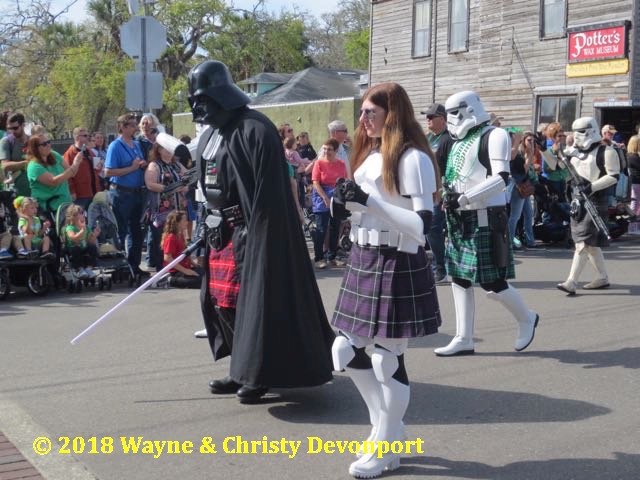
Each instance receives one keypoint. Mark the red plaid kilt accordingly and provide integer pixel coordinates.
(224, 281)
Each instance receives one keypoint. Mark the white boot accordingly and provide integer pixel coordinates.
(597, 260)
(462, 343)
(571, 284)
(389, 428)
(371, 392)
(527, 319)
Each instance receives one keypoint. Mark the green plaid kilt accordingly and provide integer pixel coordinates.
(469, 251)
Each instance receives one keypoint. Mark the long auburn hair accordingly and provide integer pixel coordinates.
(33, 153)
(400, 132)
(172, 225)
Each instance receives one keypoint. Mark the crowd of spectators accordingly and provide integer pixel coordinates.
(133, 170)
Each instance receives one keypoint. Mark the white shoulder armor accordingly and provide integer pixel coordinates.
(417, 179)
(499, 151)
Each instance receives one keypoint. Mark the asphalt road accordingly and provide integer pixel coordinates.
(567, 408)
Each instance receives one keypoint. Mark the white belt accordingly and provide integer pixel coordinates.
(382, 238)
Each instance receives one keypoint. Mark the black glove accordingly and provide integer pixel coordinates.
(450, 200)
(541, 141)
(349, 191)
(338, 210)
(585, 188)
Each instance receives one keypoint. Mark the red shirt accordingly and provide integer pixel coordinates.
(326, 172)
(83, 185)
(174, 245)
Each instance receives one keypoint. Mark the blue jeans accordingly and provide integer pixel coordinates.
(436, 237)
(127, 207)
(324, 221)
(521, 206)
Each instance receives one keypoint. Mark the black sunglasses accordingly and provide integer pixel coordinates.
(44, 144)
(14, 128)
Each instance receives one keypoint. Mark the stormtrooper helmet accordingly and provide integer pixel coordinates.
(586, 132)
(464, 111)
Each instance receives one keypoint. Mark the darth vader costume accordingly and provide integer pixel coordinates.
(277, 332)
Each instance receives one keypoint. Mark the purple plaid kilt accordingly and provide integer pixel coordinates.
(470, 255)
(387, 293)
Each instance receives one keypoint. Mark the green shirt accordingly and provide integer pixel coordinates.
(44, 193)
(73, 229)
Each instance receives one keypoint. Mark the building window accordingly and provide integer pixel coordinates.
(553, 18)
(458, 25)
(561, 109)
(422, 28)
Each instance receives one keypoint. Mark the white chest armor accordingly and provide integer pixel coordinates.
(473, 173)
(370, 227)
(587, 167)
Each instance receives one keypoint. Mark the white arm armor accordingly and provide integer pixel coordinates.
(499, 156)
(417, 179)
(612, 167)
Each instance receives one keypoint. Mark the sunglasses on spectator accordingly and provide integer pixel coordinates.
(14, 128)
(83, 135)
(431, 117)
(328, 149)
(45, 144)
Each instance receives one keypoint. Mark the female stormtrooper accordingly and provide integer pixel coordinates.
(599, 168)
(479, 248)
(388, 293)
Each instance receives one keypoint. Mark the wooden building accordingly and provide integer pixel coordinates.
(530, 61)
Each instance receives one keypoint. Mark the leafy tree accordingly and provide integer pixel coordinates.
(254, 42)
(341, 39)
(86, 102)
(357, 49)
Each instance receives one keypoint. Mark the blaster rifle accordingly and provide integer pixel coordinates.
(189, 178)
(592, 211)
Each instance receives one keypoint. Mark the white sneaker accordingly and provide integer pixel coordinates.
(201, 333)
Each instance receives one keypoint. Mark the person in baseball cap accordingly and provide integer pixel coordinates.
(495, 120)
(435, 110)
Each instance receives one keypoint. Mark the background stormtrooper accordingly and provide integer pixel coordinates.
(598, 166)
(479, 248)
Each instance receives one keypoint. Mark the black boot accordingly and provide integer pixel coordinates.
(226, 385)
(251, 393)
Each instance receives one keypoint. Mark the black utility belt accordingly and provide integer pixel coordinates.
(122, 188)
(231, 215)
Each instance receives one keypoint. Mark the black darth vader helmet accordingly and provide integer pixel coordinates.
(213, 79)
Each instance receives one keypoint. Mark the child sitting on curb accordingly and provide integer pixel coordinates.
(184, 274)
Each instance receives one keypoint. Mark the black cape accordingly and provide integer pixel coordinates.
(282, 337)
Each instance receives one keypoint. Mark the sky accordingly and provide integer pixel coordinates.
(316, 7)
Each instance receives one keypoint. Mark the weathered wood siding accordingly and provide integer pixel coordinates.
(507, 63)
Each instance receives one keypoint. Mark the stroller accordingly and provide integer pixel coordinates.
(29, 270)
(74, 279)
(111, 255)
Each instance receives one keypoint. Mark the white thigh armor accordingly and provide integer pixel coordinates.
(480, 191)
(391, 218)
